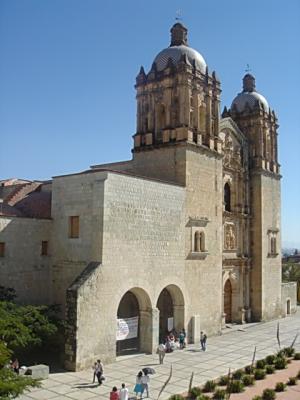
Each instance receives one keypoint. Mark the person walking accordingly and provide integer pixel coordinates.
(145, 383)
(114, 395)
(181, 340)
(138, 385)
(203, 339)
(123, 395)
(161, 351)
(99, 371)
(95, 367)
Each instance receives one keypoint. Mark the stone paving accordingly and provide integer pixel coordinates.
(233, 349)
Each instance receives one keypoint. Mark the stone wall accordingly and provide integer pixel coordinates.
(23, 267)
(289, 298)
(143, 251)
(266, 267)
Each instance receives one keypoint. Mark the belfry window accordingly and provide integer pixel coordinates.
(227, 197)
(199, 242)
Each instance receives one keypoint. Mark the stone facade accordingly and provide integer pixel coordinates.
(184, 235)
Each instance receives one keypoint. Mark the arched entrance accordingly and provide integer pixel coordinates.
(170, 304)
(228, 301)
(133, 322)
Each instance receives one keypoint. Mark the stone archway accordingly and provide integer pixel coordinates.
(134, 323)
(170, 304)
(228, 301)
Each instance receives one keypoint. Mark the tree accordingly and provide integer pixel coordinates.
(11, 384)
(291, 273)
(24, 326)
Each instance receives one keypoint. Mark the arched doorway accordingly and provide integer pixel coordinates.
(133, 322)
(228, 301)
(170, 304)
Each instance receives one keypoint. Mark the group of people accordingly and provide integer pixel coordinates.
(141, 386)
(121, 394)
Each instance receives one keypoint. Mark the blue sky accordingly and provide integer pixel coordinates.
(68, 67)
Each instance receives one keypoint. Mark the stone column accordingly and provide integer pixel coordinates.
(194, 331)
(149, 330)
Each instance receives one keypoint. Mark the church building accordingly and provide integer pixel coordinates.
(186, 234)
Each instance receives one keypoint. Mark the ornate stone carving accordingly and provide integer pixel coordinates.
(230, 237)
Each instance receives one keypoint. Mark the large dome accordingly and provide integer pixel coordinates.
(176, 53)
(179, 48)
(249, 97)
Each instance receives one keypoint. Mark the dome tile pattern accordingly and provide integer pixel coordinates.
(175, 53)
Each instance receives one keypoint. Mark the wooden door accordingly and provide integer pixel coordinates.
(228, 301)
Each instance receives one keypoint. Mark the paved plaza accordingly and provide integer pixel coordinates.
(233, 349)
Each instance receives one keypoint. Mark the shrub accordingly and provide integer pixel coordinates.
(223, 380)
(235, 387)
(297, 356)
(219, 394)
(280, 353)
(195, 392)
(292, 381)
(257, 398)
(270, 369)
(203, 397)
(280, 363)
(280, 387)
(289, 351)
(249, 369)
(268, 394)
(176, 397)
(238, 374)
(248, 380)
(260, 364)
(259, 374)
(270, 359)
(209, 386)
(298, 375)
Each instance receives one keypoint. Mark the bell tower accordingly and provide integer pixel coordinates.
(177, 100)
(251, 111)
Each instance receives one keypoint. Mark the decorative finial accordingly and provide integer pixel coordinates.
(178, 34)
(178, 15)
(247, 68)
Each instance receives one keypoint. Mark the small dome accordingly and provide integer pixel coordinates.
(179, 48)
(176, 53)
(249, 97)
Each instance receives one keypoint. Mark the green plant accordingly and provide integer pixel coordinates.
(248, 380)
(220, 394)
(270, 369)
(249, 369)
(238, 374)
(176, 397)
(289, 351)
(268, 394)
(195, 392)
(280, 387)
(292, 381)
(270, 359)
(259, 374)
(280, 363)
(297, 356)
(223, 380)
(203, 397)
(260, 364)
(209, 386)
(257, 398)
(235, 387)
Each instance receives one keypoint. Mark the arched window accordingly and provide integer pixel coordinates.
(227, 197)
(202, 241)
(273, 245)
(160, 118)
(199, 242)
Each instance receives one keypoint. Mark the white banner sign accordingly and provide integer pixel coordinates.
(170, 323)
(127, 328)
